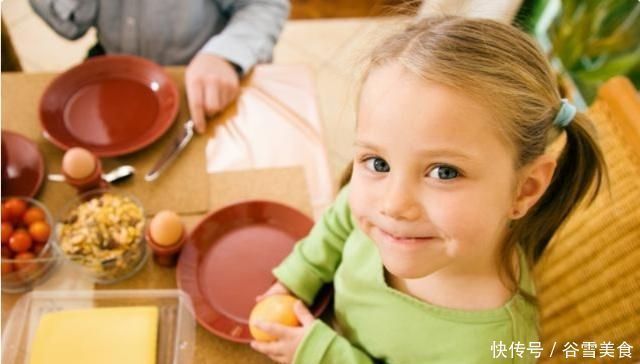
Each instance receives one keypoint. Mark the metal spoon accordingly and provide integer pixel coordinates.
(115, 175)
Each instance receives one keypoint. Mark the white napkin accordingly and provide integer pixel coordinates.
(275, 123)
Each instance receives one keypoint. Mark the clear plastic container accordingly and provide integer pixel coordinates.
(176, 324)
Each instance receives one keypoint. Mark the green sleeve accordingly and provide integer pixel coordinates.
(314, 259)
(324, 345)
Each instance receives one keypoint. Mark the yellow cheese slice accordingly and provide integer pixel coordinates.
(97, 336)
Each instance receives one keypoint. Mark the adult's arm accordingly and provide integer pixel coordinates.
(69, 18)
(251, 33)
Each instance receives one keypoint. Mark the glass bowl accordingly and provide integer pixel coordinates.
(23, 271)
(102, 231)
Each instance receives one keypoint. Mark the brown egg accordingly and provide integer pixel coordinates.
(165, 228)
(78, 163)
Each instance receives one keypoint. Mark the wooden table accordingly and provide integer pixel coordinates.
(20, 97)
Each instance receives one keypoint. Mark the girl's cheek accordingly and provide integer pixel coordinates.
(454, 216)
(362, 197)
(357, 201)
(465, 220)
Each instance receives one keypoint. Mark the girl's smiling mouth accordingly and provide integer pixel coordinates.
(403, 239)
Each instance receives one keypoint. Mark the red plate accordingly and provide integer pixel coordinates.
(22, 165)
(227, 261)
(110, 105)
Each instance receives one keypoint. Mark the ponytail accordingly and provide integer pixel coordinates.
(580, 170)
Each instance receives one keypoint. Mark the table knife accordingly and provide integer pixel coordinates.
(177, 144)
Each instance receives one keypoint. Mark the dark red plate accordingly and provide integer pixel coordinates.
(22, 165)
(110, 105)
(227, 262)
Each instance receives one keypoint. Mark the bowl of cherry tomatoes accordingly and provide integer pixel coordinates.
(28, 256)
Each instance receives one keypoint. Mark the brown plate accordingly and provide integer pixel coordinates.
(110, 105)
(22, 165)
(227, 262)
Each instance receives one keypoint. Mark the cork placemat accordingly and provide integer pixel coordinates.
(182, 187)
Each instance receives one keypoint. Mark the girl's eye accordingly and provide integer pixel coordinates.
(444, 172)
(376, 164)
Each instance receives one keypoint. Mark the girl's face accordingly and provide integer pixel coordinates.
(433, 183)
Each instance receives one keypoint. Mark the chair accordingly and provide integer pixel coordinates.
(588, 280)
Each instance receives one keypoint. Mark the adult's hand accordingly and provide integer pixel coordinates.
(212, 83)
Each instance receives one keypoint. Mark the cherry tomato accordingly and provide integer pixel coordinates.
(32, 215)
(7, 230)
(39, 231)
(15, 208)
(20, 241)
(5, 213)
(7, 267)
(22, 262)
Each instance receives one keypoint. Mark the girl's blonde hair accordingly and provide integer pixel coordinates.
(503, 68)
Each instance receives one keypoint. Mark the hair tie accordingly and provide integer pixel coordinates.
(566, 113)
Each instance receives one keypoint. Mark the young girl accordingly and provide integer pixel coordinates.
(455, 192)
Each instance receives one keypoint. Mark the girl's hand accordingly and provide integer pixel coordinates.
(283, 349)
(276, 288)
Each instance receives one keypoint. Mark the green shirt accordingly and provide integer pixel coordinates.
(378, 323)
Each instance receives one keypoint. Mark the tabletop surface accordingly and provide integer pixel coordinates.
(20, 97)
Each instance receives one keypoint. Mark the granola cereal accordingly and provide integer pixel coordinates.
(104, 234)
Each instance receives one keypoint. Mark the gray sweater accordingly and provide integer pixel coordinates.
(171, 32)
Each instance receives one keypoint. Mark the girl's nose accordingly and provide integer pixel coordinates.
(400, 202)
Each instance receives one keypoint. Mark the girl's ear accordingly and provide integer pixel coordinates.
(534, 180)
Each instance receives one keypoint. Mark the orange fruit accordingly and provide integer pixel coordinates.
(276, 309)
